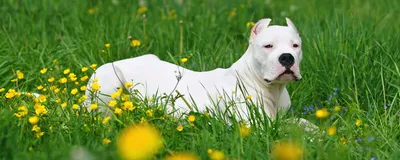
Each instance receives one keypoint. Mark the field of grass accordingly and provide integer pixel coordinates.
(350, 67)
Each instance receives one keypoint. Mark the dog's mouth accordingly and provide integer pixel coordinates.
(287, 75)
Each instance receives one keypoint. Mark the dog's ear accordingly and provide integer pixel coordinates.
(258, 27)
(291, 25)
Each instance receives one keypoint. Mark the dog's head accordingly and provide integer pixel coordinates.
(277, 51)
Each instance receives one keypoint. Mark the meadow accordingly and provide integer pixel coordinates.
(350, 87)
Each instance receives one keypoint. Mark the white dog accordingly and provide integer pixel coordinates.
(270, 62)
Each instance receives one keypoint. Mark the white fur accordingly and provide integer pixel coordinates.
(257, 64)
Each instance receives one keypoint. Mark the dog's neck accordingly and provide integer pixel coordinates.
(249, 72)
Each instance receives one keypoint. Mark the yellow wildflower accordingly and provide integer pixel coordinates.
(191, 118)
(139, 142)
(39, 134)
(217, 155)
(106, 141)
(33, 120)
(141, 10)
(112, 103)
(106, 120)
(343, 140)
(93, 66)
(51, 79)
(149, 112)
(128, 105)
(248, 97)
(2, 90)
(135, 43)
(209, 151)
(83, 88)
(287, 151)
(11, 93)
(39, 87)
(331, 130)
(63, 105)
(66, 71)
(42, 98)
(244, 131)
(322, 113)
(75, 107)
(95, 87)
(179, 128)
(94, 107)
(128, 84)
(118, 111)
(74, 91)
(36, 128)
(63, 80)
(182, 156)
(184, 60)
(20, 75)
(40, 109)
(43, 71)
(358, 122)
(84, 78)
(22, 111)
(250, 24)
(117, 94)
(84, 69)
(125, 97)
(107, 45)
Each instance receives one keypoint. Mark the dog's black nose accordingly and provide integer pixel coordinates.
(286, 59)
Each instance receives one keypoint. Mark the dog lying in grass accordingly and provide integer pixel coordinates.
(271, 61)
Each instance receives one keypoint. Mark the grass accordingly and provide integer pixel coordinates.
(349, 45)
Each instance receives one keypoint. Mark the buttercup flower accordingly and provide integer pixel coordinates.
(139, 142)
(11, 94)
(2, 90)
(93, 66)
(128, 84)
(217, 155)
(84, 69)
(33, 120)
(337, 108)
(184, 60)
(66, 71)
(182, 156)
(107, 45)
(106, 141)
(94, 107)
(331, 130)
(322, 113)
(75, 107)
(118, 111)
(63, 105)
(112, 103)
(51, 79)
(128, 105)
(20, 75)
(287, 151)
(22, 111)
(135, 43)
(36, 128)
(250, 24)
(191, 118)
(63, 80)
(179, 128)
(106, 120)
(358, 122)
(83, 88)
(244, 131)
(149, 112)
(74, 91)
(95, 87)
(43, 71)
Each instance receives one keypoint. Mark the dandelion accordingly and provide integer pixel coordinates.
(43, 71)
(33, 120)
(107, 45)
(287, 150)
(84, 69)
(139, 142)
(244, 131)
(331, 130)
(217, 155)
(128, 84)
(135, 43)
(93, 66)
(250, 24)
(63, 80)
(95, 87)
(66, 71)
(179, 128)
(322, 113)
(182, 156)
(51, 79)
(106, 141)
(191, 118)
(106, 120)
(149, 112)
(74, 91)
(75, 107)
(112, 103)
(118, 111)
(358, 122)
(184, 60)
(94, 107)
(20, 75)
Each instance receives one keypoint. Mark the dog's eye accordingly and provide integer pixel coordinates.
(295, 45)
(268, 46)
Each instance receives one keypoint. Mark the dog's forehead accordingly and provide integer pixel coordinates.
(278, 33)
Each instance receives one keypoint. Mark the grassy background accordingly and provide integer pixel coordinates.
(349, 45)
